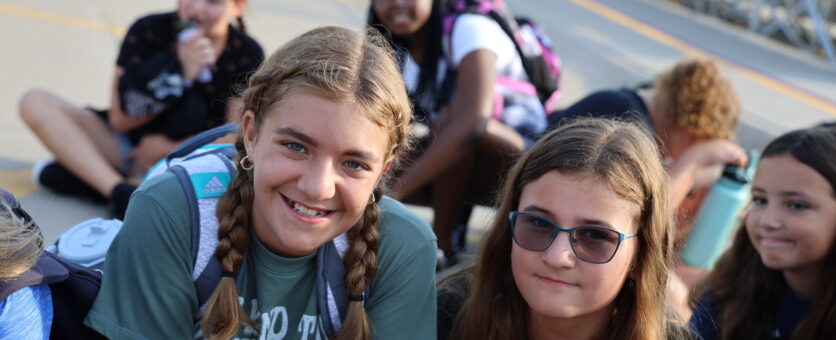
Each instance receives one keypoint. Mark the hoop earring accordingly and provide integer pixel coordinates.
(245, 163)
(373, 199)
(631, 283)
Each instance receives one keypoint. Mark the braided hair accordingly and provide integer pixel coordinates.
(342, 66)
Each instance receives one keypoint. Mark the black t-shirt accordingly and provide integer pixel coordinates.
(618, 104)
(152, 83)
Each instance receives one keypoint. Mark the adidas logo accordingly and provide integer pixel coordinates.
(214, 186)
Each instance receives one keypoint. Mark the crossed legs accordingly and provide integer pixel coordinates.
(80, 141)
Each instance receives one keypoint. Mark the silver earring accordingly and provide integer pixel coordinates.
(373, 199)
(245, 163)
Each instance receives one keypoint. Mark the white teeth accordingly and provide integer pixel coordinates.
(305, 211)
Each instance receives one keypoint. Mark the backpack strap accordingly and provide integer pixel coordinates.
(201, 140)
(204, 179)
(46, 270)
(333, 296)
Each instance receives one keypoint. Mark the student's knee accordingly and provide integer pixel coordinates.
(32, 105)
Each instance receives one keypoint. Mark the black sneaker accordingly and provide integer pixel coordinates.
(54, 176)
(119, 198)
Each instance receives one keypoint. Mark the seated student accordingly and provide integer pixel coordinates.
(473, 138)
(690, 109)
(777, 279)
(580, 247)
(27, 312)
(161, 94)
(325, 117)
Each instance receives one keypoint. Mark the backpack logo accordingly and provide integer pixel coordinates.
(214, 186)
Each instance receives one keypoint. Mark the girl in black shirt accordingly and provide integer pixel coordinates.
(160, 96)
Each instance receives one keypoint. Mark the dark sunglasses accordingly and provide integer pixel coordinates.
(593, 244)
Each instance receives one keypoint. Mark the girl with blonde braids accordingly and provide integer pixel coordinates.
(324, 118)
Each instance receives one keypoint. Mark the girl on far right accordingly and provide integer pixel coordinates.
(777, 279)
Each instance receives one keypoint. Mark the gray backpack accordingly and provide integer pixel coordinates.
(205, 171)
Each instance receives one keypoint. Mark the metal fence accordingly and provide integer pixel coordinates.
(807, 24)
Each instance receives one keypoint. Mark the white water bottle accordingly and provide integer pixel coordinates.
(188, 31)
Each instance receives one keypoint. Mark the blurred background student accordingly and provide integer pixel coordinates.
(176, 75)
(456, 87)
(692, 112)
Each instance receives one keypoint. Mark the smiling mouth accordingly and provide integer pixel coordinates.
(305, 211)
(768, 242)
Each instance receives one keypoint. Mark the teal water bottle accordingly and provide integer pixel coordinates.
(719, 215)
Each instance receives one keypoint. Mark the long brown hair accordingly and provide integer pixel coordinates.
(624, 157)
(749, 292)
(343, 66)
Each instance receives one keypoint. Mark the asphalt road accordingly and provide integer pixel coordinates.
(69, 48)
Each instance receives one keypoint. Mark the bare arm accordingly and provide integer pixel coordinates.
(469, 113)
(689, 166)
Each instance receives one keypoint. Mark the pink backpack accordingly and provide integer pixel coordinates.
(541, 63)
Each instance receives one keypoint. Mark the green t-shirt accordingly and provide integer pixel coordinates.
(147, 290)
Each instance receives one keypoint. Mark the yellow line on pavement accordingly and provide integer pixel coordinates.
(61, 19)
(688, 49)
(17, 182)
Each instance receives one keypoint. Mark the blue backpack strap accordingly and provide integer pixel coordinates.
(204, 172)
(332, 294)
(201, 139)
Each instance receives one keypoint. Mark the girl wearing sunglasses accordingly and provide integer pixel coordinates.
(580, 246)
(776, 280)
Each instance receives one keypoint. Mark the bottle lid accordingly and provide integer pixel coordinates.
(743, 175)
(87, 242)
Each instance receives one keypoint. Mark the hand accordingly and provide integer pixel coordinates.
(714, 152)
(195, 53)
(150, 150)
(685, 170)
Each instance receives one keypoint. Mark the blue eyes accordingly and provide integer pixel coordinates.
(294, 147)
(297, 148)
(355, 165)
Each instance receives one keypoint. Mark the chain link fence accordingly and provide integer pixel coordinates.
(809, 25)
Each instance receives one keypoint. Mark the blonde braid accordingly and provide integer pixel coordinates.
(361, 266)
(224, 314)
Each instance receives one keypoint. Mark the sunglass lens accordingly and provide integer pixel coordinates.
(532, 232)
(595, 244)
